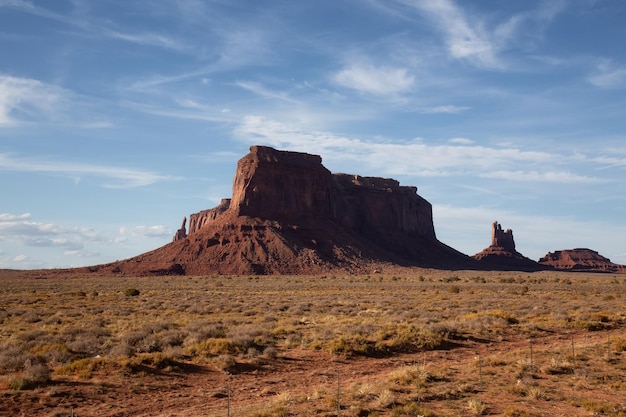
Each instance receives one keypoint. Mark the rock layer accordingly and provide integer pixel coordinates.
(289, 215)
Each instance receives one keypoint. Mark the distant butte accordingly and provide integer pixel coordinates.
(581, 260)
(501, 254)
(289, 215)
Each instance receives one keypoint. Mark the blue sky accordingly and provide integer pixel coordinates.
(119, 117)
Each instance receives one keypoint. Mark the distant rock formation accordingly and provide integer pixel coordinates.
(289, 215)
(581, 260)
(501, 254)
(500, 238)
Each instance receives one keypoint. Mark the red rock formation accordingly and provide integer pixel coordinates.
(182, 232)
(198, 220)
(581, 259)
(501, 238)
(289, 215)
(501, 254)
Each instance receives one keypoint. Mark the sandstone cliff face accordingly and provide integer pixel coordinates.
(273, 184)
(296, 188)
(581, 259)
(289, 215)
(198, 220)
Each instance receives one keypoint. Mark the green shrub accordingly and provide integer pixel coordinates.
(131, 292)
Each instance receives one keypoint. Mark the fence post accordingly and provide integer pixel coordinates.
(338, 393)
(228, 400)
(532, 364)
(480, 370)
(419, 383)
(573, 355)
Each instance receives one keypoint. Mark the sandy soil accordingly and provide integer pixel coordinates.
(200, 390)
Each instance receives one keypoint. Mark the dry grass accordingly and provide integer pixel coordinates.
(82, 328)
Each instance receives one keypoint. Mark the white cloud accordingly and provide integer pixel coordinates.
(6, 217)
(465, 39)
(262, 91)
(117, 177)
(376, 80)
(149, 39)
(544, 176)
(20, 258)
(607, 75)
(449, 109)
(81, 253)
(159, 232)
(22, 230)
(474, 38)
(610, 161)
(461, 141)
(460, 157)
(27, 99)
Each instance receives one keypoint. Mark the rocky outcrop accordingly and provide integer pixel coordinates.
(502, 255)
(581, 260)
(198, 220)
(502, 238)
(296, 188)
(182, 232)
(289, 215)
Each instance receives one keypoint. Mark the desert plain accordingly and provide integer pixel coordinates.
(405, 342)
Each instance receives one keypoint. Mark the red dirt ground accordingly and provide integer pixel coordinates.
(202, 390)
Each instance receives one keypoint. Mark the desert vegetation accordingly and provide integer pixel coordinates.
(418, 343)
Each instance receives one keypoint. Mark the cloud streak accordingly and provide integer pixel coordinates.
(27, 99)
(22, 229)
(471, 37)
(464, 39)
(114, 176)
(460, 157)
(608, 76)
(376, 80)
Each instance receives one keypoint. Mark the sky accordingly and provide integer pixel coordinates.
(120, 117)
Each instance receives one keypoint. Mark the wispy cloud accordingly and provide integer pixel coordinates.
(262, 91)
(185, 109)
(610, 162)
(158, 232)
(461, 141)
(543, 176)
(30, 8)
(608, 75)
(114, 176)
(93, 26)
(376, 80)
(465, 39)
(459, 157)
(22, 229)
(474, 38)
(149, 39)
(68, 242)
(447, 109)
(25, 99)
